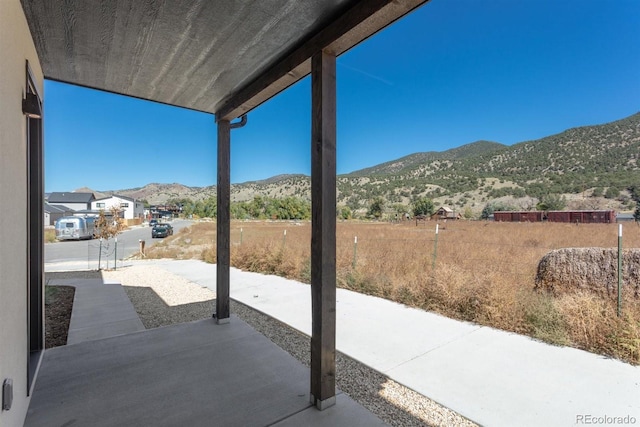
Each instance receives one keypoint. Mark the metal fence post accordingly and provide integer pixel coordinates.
(100, 254)
(435, 249)
(355, 250)
(619, 270)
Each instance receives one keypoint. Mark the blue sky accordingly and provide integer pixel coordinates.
(452, 72)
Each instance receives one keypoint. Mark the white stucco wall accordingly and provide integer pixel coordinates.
(138, 210)
(16, 46)
(133, 210)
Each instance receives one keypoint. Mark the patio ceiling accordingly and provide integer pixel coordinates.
(218, 56)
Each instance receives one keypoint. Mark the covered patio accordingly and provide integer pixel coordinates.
(223, 58)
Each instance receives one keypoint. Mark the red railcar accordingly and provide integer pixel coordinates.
(582, 217)
(515, 216)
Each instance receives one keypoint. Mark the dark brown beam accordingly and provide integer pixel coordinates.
(323, 229)
(223, 223)
(360, 21)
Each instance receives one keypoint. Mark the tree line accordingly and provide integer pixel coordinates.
(294, 208)
(258, 208)
(291, 208)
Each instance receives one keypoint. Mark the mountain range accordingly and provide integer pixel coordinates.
(584, 163)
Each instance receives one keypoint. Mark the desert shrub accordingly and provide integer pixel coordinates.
(544, 320)
(49, 235)
(454, 291)
(209, 254)
(594, 326)
(357, 281)
(271, 258)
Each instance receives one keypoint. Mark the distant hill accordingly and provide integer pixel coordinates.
(156, 193)
(415, 160)
(583, 163)
(276, 179)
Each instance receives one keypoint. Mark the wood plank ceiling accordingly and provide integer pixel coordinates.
(218, 56)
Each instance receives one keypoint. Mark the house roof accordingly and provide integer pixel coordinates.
(71, 197)
(117, 196)
(56, 208)
(218, 56)
(623, 216)
(90, 212)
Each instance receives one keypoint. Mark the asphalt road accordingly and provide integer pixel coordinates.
(91, 250)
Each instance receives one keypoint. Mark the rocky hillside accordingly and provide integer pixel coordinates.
(156, 193)
(416, 160)
(585, 162)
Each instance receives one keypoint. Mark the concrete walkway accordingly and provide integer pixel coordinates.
(100, 310)
(492, 377)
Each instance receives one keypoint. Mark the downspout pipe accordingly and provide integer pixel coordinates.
(241, 123)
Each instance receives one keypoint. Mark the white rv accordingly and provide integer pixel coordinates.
(75, 228)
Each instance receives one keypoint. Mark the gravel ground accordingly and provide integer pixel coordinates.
(162, 298)
(57, 314)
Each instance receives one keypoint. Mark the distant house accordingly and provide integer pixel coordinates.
(129, 208)
(163, 211)
(445, 213)
(75, 201)
(52, 213)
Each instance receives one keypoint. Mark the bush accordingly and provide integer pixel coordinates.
(545, 321)
(490, 208)
(345, 212)
(376, 208)
(552, 202)
(611, 193)
(423, 206)
(49, 235)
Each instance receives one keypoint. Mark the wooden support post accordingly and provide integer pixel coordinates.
(323, 229)
(223, 224)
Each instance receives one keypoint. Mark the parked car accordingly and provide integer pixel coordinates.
(159, 231)
(169, 227)
(153, 223)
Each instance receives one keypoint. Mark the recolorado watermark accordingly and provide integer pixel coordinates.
(604, 420)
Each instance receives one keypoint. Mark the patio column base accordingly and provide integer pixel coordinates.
(321, 405)
(222, 321)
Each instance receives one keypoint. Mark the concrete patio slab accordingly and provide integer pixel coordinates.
(191, 374)
(346, 412)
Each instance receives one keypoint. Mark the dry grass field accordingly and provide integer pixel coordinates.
(481, 272)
